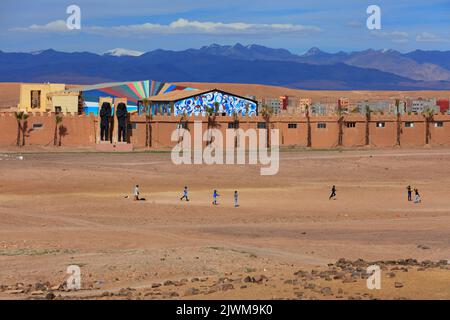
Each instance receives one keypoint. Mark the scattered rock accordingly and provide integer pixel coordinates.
(310, 286)
(14, 291)
(191, 292)
(398, 285)
(37, 293)
(259, 279)
(326, 291)
(50, 296)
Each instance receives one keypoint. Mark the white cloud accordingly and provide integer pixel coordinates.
(54, 26)
(182, 26)
(393, 36)
(429, 37)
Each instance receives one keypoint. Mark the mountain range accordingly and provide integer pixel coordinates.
(314, 69)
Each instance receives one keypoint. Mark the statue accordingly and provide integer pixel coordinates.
(105, 115)
(122, 113)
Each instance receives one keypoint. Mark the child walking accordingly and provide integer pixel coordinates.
(185, 194)
(333, 192)
(417, 198)
(215, 195)
(136, 193)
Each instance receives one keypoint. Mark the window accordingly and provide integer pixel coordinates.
(350, 124)
(58, 109)
(381, 124)
(409, 124)
(35, 99)
(37, 126)
(182, 125)
(438, 124)
(232, 125)
(292, 125)
(321, 125)
(261, 125)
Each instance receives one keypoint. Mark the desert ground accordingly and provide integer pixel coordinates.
(286, 240)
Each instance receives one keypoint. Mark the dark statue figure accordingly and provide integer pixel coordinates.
(122, 121)
(105, 115)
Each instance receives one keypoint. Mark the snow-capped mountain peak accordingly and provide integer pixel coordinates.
(120, 52)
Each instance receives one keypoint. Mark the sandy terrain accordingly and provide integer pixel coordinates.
(61, 209)
(9, 95)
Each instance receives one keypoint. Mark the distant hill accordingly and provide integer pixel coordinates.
(315, 69)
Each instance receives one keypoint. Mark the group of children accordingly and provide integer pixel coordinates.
(185, 196)
(417, 198)
(215, 196)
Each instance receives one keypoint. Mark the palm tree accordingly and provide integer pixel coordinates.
(182, 124)
(266, 113)
(24, 127)
(429, 118)
(62, 131)
(399, 122)
(212, 120)
(148, 126)
(236, 126)
(308, 122)
(368, 114)
(340, 114)
(19, 117)
(58, 120)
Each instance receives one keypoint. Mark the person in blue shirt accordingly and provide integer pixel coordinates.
(215, 195)
(185, 194)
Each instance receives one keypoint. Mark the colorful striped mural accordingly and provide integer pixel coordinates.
(134, 92)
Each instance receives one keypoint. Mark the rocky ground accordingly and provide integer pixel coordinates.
(344, 279)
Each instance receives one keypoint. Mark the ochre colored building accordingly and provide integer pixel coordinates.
(34, 97)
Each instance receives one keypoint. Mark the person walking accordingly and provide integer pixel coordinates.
(136, 193)
(185, 194)
(333, 193)
(409, 190)
(215, 195)
(236, 199)
(417, 198)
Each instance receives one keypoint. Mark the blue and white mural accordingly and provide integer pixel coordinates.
(227, 103)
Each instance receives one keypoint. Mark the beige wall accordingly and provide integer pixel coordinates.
(68, 103)
(45, 100)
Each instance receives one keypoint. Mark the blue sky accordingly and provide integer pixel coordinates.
(297, 25)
